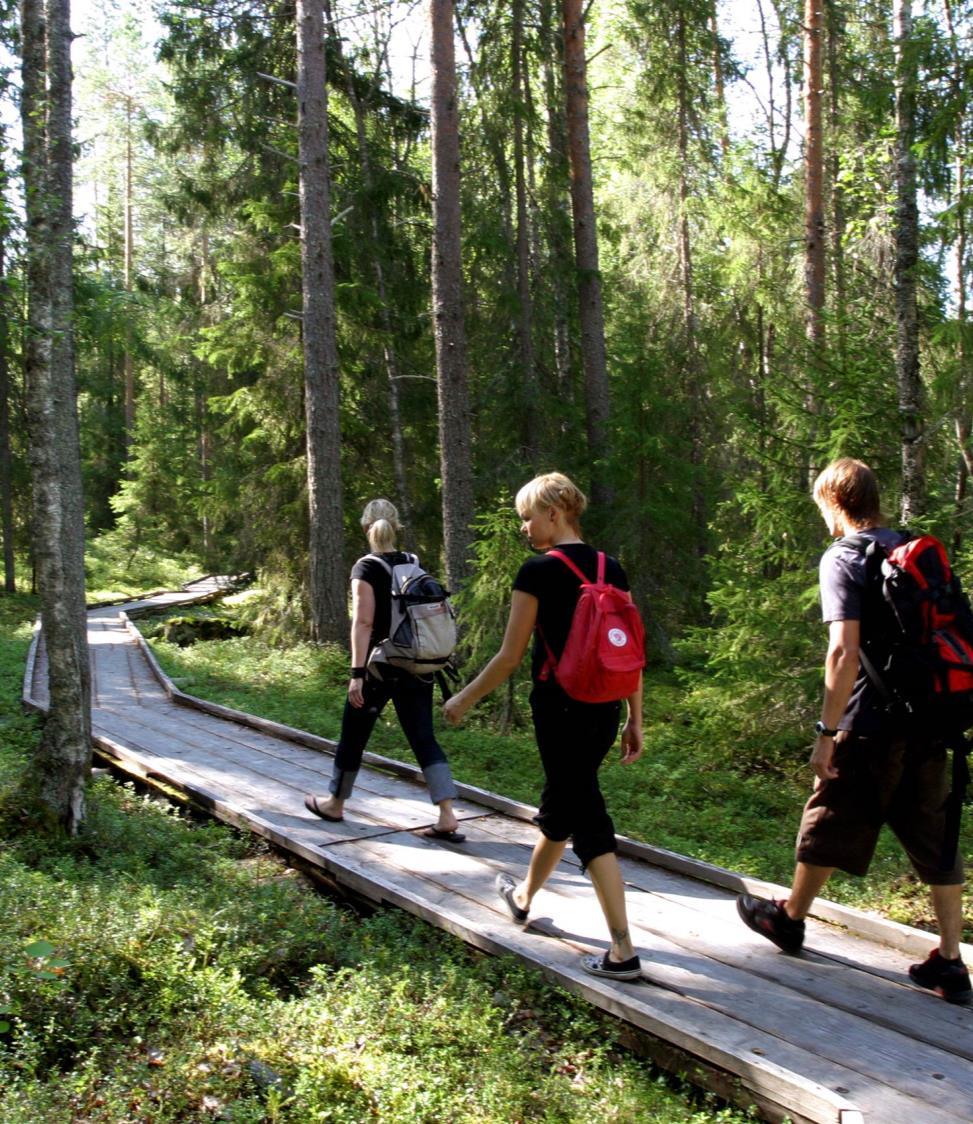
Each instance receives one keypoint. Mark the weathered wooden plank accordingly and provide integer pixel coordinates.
(705, 923)
(875, 1055)
(279, 783)
(903, 937)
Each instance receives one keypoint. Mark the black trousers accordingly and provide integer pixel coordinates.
(573, 739)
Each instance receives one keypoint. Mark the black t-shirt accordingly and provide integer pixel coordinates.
(557, 589)
(843, 585)
(367, 569)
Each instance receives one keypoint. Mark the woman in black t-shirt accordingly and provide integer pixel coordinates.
(573, 737)
(371, 592)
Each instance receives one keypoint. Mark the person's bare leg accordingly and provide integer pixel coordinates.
(544, 858)
(947, 901)
(808, 883)
(606, 877)
(447, 817)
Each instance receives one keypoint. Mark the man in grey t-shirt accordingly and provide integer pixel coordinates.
(870, 769)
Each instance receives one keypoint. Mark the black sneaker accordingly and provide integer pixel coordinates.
(769, 919)
(949, 978)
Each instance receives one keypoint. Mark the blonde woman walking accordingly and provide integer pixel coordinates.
(371, 593)
(573, 737)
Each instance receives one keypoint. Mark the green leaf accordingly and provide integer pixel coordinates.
(39, 950)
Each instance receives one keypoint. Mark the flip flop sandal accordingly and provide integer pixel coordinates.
(446, 836)
(505, 888)
(311, 803)
(601, 966)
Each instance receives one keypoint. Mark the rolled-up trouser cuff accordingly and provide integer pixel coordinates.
(342, 782)
(439, 781)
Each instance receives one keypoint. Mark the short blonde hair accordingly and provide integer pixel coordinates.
(552, 489)
(380, 522)
(850, 487)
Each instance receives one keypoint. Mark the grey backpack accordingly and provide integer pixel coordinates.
(422, 631)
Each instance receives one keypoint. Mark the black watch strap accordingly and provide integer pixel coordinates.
(822, 731)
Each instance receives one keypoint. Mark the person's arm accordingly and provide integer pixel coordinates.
(840, 672)
(362, 618)
(632, 730)
(516, 637)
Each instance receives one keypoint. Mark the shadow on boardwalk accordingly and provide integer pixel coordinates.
(837, 1034)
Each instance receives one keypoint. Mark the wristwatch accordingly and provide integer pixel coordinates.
(822, 731)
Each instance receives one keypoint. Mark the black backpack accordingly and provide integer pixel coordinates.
(917, 649)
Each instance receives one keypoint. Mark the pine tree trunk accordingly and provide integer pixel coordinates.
(327, 579)
(6, 457)
(64, 752)
(814, 236)
(556, 178)
(447, 301)
(906, 260)
(525, 346)
(597, 404)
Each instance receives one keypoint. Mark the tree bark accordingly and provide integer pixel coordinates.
(906, 260)
(447, 301)
(64, 752)
(814, 231)
(594, 360)
(6, 456)
(327, 579)
(530, 439)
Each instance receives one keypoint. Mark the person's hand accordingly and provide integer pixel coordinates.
(455, 708)
(822, 758)
(355, 696)
(631, 743)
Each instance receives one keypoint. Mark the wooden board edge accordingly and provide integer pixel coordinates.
(904, 938)
(27, 700)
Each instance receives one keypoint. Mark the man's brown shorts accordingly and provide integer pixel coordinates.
(881, 780)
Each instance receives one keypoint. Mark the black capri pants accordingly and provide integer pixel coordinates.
(573, 739)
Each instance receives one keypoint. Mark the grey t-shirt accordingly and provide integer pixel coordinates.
(842, 579)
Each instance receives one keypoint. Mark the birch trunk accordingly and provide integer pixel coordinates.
(64, 752)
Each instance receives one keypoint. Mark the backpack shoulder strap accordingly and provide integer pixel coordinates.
(381, 561)
(573, 568)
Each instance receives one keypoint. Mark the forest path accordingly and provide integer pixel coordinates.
(837, 1034)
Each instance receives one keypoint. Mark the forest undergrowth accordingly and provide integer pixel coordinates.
(162, 968)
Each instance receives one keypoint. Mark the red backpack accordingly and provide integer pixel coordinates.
(604, 653)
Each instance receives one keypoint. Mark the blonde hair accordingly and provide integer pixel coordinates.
(552, 489)
(380, 522)
(849, 486)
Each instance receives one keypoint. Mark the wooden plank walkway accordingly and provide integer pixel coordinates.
(837, 1034)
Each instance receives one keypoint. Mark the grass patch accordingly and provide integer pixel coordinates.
(118, 567)
(158, 969)
(700, 789)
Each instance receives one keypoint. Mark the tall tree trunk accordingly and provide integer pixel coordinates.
(814, 237)
(127, 265)
(556, 202)
(327, 579)
(906, 260)
(597, 402)
(64, 752)
(525, 345)
(447, 301)
(6, 457)
(834, 30)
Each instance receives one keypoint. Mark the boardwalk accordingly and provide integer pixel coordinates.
(837, 1034)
